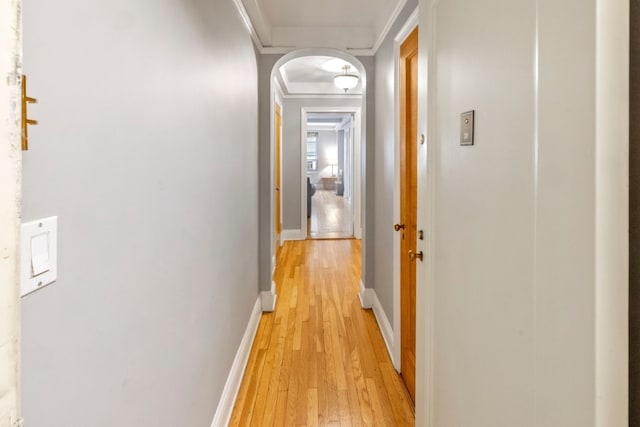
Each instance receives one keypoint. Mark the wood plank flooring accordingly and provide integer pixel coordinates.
(319, 359)
(331, 216)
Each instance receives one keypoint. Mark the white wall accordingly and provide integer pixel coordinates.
(147, 152)
(515, 277)
(10, 183)
(327, 148)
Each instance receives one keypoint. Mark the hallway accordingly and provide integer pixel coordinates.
(331, 216)
(319, 359)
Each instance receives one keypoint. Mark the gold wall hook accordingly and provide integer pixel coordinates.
(26, 121)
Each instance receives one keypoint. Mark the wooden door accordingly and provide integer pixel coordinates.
(408, 205)
(278, 175)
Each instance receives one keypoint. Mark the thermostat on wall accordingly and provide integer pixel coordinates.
(39, 254)
(466, 128)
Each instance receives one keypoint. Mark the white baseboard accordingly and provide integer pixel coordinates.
(268, 298)
(293, 235)
(366, 296)
(232, 386)
(357, 233)
(385, 327)
(273, 265)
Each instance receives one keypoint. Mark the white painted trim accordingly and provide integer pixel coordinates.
(284, 50)
(366, 296)
(322, 96)
(277, 100)
(268, 298)
(612, 213)
(276, 50)
(232, 386)
(293, 235)
(407, 28)
(392, 19)
(10, 206)
(286, 58)
(249, 24)
(385, 329)
(356, 167)
(425, 294)
(361, 52)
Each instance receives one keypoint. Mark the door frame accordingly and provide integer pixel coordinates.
(409, 26)
(273, 92)
(10, 206)
(356, 165)
(277, 237)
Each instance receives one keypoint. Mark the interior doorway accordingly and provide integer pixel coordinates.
(408, 72)
(329, 154)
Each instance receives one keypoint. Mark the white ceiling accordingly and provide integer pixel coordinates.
(340, 24)
(326, 121)
(314, 75)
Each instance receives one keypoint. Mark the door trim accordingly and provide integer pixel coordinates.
(425, 318)
(409, 26)
(10, 206)
(356, 166)
(273, 89)
(278, 111)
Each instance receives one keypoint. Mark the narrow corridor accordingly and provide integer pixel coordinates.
(320, 359)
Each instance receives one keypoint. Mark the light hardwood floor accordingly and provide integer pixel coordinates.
(319, 359)
(331, 216)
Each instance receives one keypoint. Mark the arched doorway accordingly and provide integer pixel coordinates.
(279, 201)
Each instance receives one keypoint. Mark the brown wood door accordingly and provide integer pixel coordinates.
(278, 175)
(408, 205)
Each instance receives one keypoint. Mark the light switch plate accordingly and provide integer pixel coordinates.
(39, 253)
(466, 127)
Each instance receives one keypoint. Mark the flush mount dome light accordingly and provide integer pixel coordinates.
(346, 81)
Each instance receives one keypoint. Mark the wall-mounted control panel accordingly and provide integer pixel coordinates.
(39, 254)
(466, 127)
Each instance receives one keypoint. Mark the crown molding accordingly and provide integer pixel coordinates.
(283, 50)
(321, 96)
(385, 31)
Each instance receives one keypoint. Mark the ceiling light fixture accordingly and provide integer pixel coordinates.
(346, 81)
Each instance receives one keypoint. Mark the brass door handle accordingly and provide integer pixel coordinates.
(398, 227)
(414, 255)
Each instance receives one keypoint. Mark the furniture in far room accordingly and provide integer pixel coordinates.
(311, 190)
(328, 182)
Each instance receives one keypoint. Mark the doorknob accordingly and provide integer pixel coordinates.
(414, 255)
(398, 227)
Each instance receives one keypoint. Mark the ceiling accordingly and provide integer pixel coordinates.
(314, 75)
(356, 25)
(326, 121)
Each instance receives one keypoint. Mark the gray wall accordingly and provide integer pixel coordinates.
(140, 156)
(291, 153)
(634, 219)
(386, 197)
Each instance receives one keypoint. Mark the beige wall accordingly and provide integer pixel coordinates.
(10, 176)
